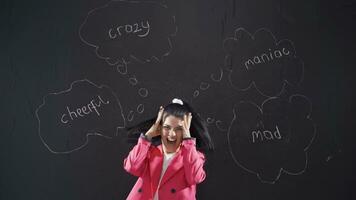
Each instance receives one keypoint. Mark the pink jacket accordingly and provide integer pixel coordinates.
(179, 181)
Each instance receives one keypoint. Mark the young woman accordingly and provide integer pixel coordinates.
(165, 158)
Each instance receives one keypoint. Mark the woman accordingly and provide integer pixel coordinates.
(165, 157)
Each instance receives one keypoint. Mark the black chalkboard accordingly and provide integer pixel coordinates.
(274, 81)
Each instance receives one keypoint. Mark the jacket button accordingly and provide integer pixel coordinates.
(139, 190)
(173, 190)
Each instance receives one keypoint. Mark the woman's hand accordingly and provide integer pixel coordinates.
(155, 129)
(186, 125)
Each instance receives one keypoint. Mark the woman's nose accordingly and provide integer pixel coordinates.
(172, 132)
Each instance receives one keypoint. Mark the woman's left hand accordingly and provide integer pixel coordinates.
(186, 125)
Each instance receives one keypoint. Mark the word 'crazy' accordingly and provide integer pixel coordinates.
(141, 29)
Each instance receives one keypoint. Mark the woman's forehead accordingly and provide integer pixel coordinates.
(173, 120)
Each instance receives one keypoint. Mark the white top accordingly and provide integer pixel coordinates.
(166, 160)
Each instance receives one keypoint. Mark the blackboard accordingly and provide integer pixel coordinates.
(273, 80)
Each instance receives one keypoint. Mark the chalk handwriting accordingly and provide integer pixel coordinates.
(266, 57)
(141, 29)
(91, 107)
(259, 135)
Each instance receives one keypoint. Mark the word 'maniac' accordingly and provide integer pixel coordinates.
(266, 57)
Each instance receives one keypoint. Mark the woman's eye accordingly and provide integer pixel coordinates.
(179, 129)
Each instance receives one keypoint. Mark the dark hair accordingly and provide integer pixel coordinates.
(198, 127)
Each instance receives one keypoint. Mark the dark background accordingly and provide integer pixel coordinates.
(42, 53)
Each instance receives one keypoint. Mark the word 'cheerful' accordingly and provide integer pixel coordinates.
(91, 107)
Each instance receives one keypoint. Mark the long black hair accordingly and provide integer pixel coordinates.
(198, 127)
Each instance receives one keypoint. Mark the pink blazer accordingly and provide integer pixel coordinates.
(179, 181)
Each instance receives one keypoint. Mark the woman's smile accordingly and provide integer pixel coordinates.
(171, 140)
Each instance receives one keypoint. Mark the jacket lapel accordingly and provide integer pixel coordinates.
(173, 167)
(155, 167)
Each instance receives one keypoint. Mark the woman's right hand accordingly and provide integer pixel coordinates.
(155, 129)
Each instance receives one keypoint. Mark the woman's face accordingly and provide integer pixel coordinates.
(172, 133)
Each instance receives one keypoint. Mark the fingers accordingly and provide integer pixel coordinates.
(156, 127)
(160, 114)
(186, 124)
(187, 120)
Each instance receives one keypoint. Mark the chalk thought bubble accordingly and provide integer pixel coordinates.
(68, 117)
(272, 139)
(260, 60)
(124, 30)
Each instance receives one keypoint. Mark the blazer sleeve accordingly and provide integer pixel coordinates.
(137, 159)
(193, 162)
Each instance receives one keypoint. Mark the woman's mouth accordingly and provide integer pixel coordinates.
(171, 140)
